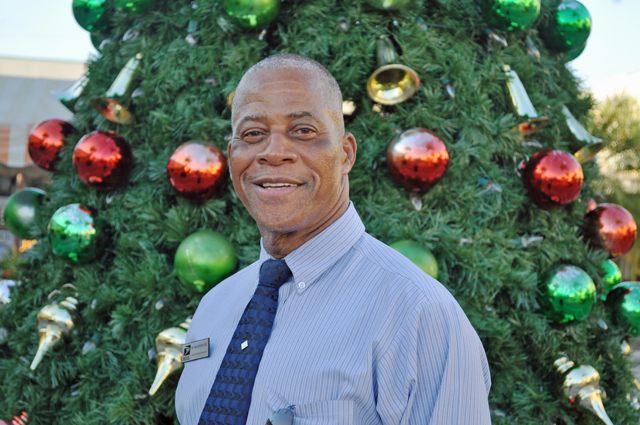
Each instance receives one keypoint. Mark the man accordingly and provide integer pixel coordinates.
(329, 322)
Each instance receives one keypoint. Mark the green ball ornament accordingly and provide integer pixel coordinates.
(135, 6)
(569, 27)
(388, 4)
(92, 15)
(624, 303)
(511, 15)
(204, 259)
(574, 53)
(568, 294)
(252, 14)
(611, 275)
(97, 39)
(21, 210)
(419, 255)
(75, 233)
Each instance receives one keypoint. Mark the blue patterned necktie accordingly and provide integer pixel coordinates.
(230, 397)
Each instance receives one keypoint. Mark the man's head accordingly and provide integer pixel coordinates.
(290, 156)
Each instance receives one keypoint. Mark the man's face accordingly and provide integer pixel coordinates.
(286, 157)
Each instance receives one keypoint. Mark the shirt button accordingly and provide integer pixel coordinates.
(301, 285)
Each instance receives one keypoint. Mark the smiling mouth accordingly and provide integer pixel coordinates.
(277, 185)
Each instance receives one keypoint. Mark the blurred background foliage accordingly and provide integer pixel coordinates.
(617, 120)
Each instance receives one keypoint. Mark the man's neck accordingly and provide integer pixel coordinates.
(279, 245)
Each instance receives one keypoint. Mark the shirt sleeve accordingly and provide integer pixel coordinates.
(435, 371)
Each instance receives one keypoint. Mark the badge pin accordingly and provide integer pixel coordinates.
(244, 345)
(195, 350)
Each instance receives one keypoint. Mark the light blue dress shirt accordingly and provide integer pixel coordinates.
(361, 336)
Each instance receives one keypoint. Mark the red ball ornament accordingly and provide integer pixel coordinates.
(102, 159)
(553, 178)
(417, 159)
(45, 141)
(612, 228)
(198, 170)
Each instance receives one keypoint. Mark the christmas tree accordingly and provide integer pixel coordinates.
(501, 243)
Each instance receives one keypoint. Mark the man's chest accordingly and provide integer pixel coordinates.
(319, 351)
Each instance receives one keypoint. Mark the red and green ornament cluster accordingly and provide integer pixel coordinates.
(103, 160)
(417, 158)
(569, 293)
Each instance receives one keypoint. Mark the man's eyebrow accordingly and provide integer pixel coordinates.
(256, 117)
(299, 114)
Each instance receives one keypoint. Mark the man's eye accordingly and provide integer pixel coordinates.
(304, 131)
(253, 134)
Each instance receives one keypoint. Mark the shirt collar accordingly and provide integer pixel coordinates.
(312, 259)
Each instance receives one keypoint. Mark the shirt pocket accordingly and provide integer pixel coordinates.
(328, 412)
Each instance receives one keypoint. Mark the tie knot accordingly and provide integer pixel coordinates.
(274, 273)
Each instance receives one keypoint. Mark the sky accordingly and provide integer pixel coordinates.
(46, 29)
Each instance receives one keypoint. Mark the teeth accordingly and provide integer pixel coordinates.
(278, 184)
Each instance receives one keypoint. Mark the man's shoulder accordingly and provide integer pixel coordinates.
(395, 270)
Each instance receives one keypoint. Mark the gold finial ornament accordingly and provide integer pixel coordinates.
(391, 83)
(592, 146)
(580, 386)
(110, 105)
(522, 105)
(53, 321)
(169, 348)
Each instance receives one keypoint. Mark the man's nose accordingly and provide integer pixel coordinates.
(278, 150)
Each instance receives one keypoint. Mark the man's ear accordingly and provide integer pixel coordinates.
(349, 150)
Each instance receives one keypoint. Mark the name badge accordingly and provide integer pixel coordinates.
(195, 350)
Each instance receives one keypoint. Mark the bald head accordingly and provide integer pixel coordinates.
(329, 91)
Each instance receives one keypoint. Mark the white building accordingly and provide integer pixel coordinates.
(25, 101)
